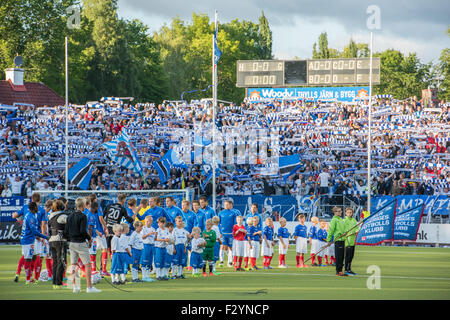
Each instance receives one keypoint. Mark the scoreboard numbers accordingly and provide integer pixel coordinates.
(315, 72)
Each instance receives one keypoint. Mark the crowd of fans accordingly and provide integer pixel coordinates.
(409, 146)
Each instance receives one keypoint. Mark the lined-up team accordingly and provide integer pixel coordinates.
(157, 240)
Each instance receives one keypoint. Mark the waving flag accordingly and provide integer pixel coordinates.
(163, 165)
(207, 172)
(378, 227)
(123, 153)
(407, 223)
(217, 52)
(289, 164)
(80, 174)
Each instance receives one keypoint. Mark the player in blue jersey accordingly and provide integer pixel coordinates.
(255, 237)
(101, 238)
(156, 212)
(227, 221)
(189, 223)
(208, 211)
(171, 208)
(267, 244)
(20, 215)
(30, 230)
(199, 215)
(322, 239)
(94, 233)
(283, 244)
(312, 234)
(254, 213)
(301, 241)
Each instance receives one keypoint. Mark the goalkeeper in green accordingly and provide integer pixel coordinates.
(208, 252)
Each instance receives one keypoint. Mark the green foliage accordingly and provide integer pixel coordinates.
(186, 52)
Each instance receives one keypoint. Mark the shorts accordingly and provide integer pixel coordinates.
(136, 257)
(254, 252)
(168, 260)
(321, 244)
(101, 242)
(330, 250)
(160, 257)
(117, 263)
(179, 258)
(93, 248)
(227, 240)
(246, 249)
(314, 246)
(216, 251)
(147, 255)
(265, 250)
(37, 247)
(28, 251)
(125, 260)
(79, 250)
(196, 260)
(301, 245)
(45, 248)
(238, 248)
(208, 254)
(280, 247)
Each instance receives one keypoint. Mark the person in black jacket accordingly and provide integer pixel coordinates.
(80, 241)
(57, 242)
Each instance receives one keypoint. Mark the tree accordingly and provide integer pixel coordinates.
(186, 53)
(443, 73)
(324, 52)
(266, 37)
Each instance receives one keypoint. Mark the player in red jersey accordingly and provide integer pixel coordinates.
(239, 234)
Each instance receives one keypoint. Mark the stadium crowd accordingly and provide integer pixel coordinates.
(409, 147)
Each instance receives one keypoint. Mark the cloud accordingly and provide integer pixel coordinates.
(417, 25)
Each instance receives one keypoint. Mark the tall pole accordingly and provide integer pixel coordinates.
(214, 105)
(67, 123)
(369, 142)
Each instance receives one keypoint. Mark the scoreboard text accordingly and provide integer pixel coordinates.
(277, 73)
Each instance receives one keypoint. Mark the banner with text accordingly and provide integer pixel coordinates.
(378, 227)
(347, 94)
(407, 223)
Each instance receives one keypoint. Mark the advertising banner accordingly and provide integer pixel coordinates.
(347, 94)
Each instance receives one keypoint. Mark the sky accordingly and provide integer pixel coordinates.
(405, 25)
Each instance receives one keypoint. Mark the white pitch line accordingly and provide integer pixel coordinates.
(331, 275)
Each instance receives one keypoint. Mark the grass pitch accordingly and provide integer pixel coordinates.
(406, 273)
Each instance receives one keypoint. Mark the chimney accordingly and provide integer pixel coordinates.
(15, 76)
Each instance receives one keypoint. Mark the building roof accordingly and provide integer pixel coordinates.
(31, 92)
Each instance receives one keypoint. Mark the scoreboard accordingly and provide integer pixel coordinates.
(320, 72)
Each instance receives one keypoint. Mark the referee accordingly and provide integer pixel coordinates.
(337, 230)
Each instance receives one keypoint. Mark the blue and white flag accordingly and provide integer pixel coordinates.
(217, 52)
(162, 166)
(378, 227)
(122, 152)
(80, 174)
(207, 173)
(289, 164)
(407, 223)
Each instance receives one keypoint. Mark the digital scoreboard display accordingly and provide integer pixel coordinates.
(277, 73)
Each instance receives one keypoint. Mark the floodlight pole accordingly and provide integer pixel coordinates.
(369, 142)
(214, 106)
(67, 123)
